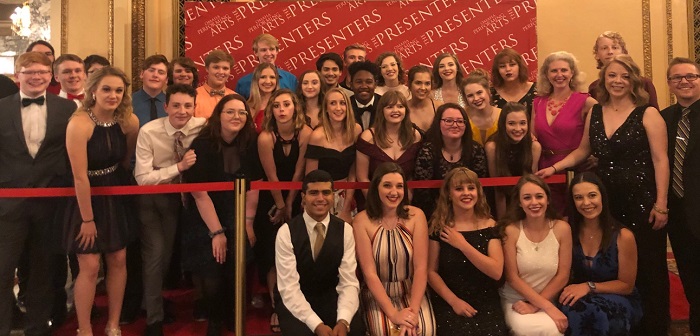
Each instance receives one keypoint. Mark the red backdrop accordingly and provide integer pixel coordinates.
(418, 31)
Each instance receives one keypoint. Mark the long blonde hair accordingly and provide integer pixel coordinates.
(123, 112)
(348, 123)
(255, 95)
(444, 213)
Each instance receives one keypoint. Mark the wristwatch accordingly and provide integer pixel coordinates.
(345, 323)
(591, 286)
(216, 233)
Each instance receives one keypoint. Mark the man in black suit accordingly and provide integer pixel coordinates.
(32, 155)
(363, 81)
(683, 125)
(317, 290)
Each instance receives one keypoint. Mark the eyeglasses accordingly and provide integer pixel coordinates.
(35, 72)
(238, 113)
(678, 78)
(451, 121)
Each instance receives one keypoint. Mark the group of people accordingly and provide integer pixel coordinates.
(459, 260)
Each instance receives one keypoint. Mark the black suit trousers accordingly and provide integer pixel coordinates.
(30, 229)
(686, 248)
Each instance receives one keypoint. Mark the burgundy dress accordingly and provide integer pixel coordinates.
(377, 156)
(560, 138)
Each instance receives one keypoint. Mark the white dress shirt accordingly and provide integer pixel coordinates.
(365, 117)
(288, 278)
(64, 94)
(155, 151)
(33, 124)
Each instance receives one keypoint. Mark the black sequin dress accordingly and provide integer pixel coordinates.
(471, 285)
(626, 168)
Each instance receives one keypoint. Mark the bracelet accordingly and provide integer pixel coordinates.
(659, 210)
(345, 323)
(249, 217)
(88, 221)
(555, 169)
(216, 233)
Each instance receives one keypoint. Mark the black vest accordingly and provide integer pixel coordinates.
(318, 278)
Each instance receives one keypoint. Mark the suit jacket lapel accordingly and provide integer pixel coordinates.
(694, 126)
(16, 116)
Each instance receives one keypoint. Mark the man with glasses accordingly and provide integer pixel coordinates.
(32, 155)
(46, 48)
(161, 156)
(683, 127)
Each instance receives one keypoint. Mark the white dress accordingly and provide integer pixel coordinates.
(537, 265)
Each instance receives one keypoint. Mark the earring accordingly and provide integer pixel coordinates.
(93, 96)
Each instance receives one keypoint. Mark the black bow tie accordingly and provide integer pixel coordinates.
(369, 108)
(29, 101)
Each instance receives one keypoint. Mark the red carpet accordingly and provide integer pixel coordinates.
(679, 304)
(257, 320)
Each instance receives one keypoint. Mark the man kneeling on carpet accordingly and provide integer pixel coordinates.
(317, 289)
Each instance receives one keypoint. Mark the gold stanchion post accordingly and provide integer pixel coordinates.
(240, 187)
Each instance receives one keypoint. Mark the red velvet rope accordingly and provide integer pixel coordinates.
(227, 186)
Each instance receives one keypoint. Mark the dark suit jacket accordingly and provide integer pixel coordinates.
(691, 162)
(50, 167)
(358, 116)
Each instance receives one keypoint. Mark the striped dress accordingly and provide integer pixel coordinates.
(393, 257)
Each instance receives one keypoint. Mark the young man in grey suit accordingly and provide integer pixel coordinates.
(32, 155)
(683, 127)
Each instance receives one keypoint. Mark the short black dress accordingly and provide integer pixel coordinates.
(115, 220)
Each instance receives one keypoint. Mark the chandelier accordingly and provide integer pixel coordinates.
(21, 20)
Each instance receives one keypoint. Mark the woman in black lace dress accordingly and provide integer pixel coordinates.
(100, 139)
(448, 145)
(465, 260)
(628, 137)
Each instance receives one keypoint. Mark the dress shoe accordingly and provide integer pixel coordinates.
(155, 329)
(199, 311)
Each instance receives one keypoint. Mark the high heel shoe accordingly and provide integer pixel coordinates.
(113, 332)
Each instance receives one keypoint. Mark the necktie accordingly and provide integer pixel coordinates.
(76, 97)
(320, 237)
(217, 93)
(29, 101)
(154, 110)
(682, 137)
(179, 152)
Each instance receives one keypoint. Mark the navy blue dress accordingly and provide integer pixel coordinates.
(601, 314)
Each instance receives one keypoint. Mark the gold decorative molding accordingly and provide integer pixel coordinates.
(110, 31)
(138, 41)
(178, 23)
(692, 29)
(646, 38)
(64, 26)
(669, 39)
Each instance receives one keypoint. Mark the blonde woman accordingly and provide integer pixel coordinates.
(332, 147)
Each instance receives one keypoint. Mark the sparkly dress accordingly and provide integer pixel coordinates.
(537, 265)
(627, 170)
(526, 100)
(437, 95)
(596, 313)
(392, 250)
(113, 215)
(471, 285)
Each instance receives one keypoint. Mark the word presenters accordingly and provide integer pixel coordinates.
(417, 30)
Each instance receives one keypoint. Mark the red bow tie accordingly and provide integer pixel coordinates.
(74, 97)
